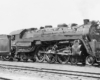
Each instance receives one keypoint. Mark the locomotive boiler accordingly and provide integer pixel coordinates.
(55, 45)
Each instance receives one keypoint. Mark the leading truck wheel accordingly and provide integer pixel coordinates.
(63, 59)
(90, 60)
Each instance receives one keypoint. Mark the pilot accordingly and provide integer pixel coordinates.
(76, 48)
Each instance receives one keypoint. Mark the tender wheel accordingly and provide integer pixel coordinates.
(90, 60)
(50, 58)
(5, 58)
(63, 59)
(74, 60)
(40, 57)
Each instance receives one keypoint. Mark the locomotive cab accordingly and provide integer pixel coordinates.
(23, 43)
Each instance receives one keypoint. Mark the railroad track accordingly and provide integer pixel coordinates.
(54, 71)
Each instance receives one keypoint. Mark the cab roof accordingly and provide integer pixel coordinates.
(21, 30)
(16, 32)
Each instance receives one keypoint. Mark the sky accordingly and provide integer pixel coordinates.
(20, 14)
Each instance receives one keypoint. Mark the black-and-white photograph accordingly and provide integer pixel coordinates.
(49, 39)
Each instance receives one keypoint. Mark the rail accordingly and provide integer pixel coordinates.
(54, 71)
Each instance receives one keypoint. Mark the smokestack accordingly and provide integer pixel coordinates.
(86, 21)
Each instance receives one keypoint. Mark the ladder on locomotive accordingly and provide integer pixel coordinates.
(87, 45)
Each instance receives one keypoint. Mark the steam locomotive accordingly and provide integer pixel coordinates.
(57, 45)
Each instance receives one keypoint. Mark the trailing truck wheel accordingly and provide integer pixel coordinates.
(23, 60)
(17, 59)
(11, 59)
(23, 57)
(90, 60)
(33, 60)
(50, 58)
(63, 59)
(74, 60)
(40, 57)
